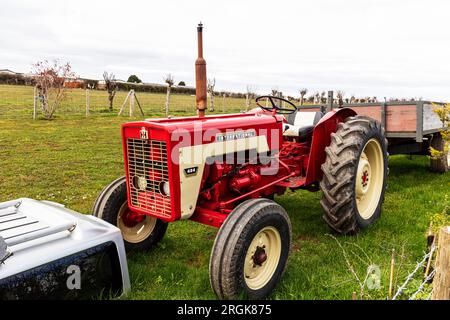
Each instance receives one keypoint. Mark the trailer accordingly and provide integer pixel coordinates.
(411, 126)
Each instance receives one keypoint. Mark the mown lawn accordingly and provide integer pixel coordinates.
(71, 160)
(16, 102)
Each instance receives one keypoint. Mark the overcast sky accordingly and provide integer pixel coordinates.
(377, 48)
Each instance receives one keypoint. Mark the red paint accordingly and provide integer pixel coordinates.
(293, 164)
(321, 139)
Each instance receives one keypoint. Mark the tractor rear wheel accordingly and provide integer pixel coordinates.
(354, 175)
(443, 164)
(138, 232)
(251, 250)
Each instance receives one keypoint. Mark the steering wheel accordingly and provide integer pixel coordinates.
(274, 107)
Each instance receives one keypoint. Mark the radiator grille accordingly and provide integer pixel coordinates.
(148, 159)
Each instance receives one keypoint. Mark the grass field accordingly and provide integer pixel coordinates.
(70, 159)
(16, 102)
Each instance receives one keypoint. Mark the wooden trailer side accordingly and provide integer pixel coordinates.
(401, 120)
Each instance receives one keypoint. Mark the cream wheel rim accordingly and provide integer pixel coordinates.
(262, 258)
(369, 179)
(139, 231)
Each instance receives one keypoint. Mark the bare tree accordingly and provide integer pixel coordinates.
(317, 98)
(169, 80)
(50, 78)
(274, 92)
(111, 87)
(249, 94)
(340, 98)
(303, 93)
(210, 89)
(322, 97)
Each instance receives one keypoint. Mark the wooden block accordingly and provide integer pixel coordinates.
(441, 282)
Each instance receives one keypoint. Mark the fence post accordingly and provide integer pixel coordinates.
(124, 103)
(131, 102)
(441, 282)
(34, 102)
(391, 275)
(223, 103)
(330, 101)
(88, 103)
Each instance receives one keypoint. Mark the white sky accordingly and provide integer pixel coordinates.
(379, 48)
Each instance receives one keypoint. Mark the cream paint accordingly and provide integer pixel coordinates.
(195, 156)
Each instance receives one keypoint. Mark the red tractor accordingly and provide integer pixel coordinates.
(224, 170)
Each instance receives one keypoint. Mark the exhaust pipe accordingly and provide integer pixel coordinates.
(200, 75)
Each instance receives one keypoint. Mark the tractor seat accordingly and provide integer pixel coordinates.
(301, 124)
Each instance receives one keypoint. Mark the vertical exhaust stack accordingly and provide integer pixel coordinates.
(200, 75)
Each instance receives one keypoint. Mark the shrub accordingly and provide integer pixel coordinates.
(50, 78)
(443, 112)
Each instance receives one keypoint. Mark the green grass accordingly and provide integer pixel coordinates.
(16, 102)
(70, 159)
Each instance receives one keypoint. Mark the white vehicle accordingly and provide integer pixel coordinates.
(50, 252)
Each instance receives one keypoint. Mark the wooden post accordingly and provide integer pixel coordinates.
(124, 102)
(330, 101)
(88, 103)
(138, 103)
(223, 103)
(391, 276)
(131, 102)
(430, 247)
(247, 101)
(35, 102)
(441, 282)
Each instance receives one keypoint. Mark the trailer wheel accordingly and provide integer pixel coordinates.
(443, 164)
(251, 250)
(354, 175)
(138, 234)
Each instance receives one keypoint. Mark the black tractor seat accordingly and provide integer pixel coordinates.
(301, 124)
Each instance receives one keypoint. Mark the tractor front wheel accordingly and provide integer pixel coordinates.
(354, 175)
(251, 250)
(139, 232)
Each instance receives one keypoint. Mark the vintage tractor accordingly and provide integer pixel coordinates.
(224, 170)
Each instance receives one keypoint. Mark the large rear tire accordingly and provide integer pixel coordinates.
(442, 164)
(112, 206)
(354, 175)
(251, 250)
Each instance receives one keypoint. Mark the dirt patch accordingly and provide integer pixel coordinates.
(197, 260)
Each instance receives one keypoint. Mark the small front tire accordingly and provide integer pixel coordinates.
(112, 206)
(251, 250)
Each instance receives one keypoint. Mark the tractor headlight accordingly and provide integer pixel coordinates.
(165, 188)
(140, 183)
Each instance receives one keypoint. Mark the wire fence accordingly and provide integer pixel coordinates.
(401, 290)
(17, 102)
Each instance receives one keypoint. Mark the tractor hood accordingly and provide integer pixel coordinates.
(223, 123)
(172, 153)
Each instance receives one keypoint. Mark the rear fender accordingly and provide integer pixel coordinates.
(321, 139)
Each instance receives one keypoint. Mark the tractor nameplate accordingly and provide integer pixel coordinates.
(235, 135)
